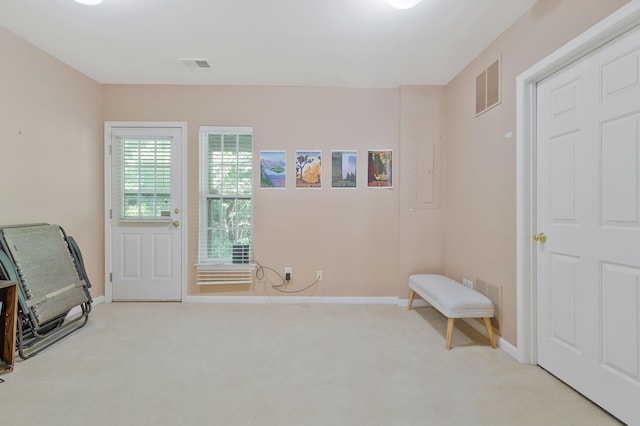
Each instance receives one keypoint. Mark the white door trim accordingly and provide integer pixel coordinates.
(108, 125)
(611, 27)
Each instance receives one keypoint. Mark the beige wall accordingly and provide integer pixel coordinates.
(480, 238)
(366, 241)
(51, 150)
(421, 230)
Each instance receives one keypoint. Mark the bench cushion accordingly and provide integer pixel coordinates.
(451, 298)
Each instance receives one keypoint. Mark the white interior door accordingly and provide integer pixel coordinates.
(588, 205)
(145, 212)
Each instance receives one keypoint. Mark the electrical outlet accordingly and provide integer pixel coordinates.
(288, 271)
(318, 275)
(467, 283)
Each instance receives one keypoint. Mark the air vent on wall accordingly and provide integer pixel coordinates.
(211, 274)
(488, 88)
(196, 63)
(494, 293)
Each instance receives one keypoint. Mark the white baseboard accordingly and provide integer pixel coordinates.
(508, 348)
(417, 303)
(500, 342)
(307, 300)
(293, 300)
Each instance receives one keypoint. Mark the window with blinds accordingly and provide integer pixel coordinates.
(226, 202)
(143, 168)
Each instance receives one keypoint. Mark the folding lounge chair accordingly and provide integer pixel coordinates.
(48, 266)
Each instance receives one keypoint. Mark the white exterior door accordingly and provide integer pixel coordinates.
(145, 213)
(588, 205)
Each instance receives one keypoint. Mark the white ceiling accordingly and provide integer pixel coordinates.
(344, 43)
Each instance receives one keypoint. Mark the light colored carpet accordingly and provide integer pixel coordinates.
(175, 364)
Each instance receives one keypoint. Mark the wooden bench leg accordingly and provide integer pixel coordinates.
(413, 293)
(450, 332)
(487, 323)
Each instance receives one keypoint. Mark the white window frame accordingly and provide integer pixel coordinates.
(119, 156)
(210, 267)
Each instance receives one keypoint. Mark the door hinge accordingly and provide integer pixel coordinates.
(110, 277)
(110, 213)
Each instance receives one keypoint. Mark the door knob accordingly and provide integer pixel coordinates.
(175, 223)
(541, 237)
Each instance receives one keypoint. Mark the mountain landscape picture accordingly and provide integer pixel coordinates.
(273, 166)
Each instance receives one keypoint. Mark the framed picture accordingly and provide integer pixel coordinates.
(344, 169)
(273, 167)
(379, 164)
(308, 169)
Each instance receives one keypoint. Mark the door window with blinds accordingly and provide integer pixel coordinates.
(226, 196)
(143, 168)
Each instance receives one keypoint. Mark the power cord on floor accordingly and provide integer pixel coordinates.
(261, 275)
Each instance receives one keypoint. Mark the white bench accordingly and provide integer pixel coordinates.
(453, 300)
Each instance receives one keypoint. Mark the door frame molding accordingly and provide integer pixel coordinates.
(611, 27)
(108, 126)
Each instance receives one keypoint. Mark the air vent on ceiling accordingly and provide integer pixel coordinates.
(488, 88)
(196, 62)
